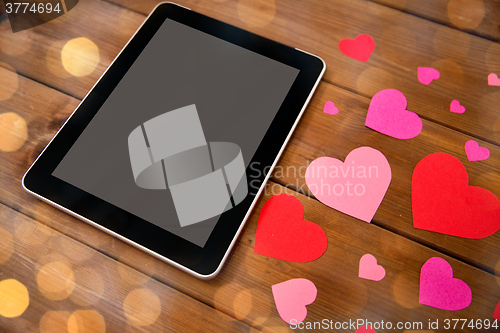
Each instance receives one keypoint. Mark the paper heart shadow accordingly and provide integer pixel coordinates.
(442, 200)
(439, 289)
(283, 234)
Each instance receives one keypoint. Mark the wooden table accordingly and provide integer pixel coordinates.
(82, 280)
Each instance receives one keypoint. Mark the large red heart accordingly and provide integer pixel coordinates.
(359, 48)
(443, 202)
(283, 234)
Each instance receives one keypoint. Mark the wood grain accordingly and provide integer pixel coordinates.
(321, 134)
(240, 298)
(476, 17)
(404, 42)
(100, 284)
(252, 275)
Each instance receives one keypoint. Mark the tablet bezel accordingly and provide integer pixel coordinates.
(203, 262)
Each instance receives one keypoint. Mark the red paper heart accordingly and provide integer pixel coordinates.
(496, 313)
(283, 234)
(365, 329)
(359, 48)
(443, 202)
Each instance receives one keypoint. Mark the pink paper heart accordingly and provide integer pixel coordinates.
(291, 298)
(456, 107)
(428, 74)
(493, 80)
(365, 329)
(369, 269)
(439, 289)
(387, 114)
(355, 187)
(476, 153)
(330, 108)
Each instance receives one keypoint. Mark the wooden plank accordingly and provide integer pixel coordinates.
(477, 17)
(404, 42)
(312, 140)
(70, 283)
(250, 276)
(37, 52)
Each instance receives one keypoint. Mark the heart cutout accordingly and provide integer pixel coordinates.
(387, 114)
(496, 313)
(369, 269)
(365, 329)
(355, 187)
(443, 202)
(455, 107)
(291, 298)
(428, 74)
(359, 48)
(283, 234)
(330, 108)
(493, 80)
(475, 152)
(439, 289)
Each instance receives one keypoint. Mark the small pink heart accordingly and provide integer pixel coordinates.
(476, 153)
(456, 107)
(493, 80)
(365, 329)
(387, 114)
(291, 298)
(427, 74)
(439, 289)
(368, 268)
(330, 108)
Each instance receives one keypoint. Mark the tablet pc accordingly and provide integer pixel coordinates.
(171, 148)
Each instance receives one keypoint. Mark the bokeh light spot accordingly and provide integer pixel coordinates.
(56, 280)
(142, 307)
(86, 321)
(372, 80)
(13, 131)
(89, 287)
(14, 298)
(55, 322)
(9, 81)
(80, 56)
(32, 233)
(256, 13)
(6, 246)
(466, 14)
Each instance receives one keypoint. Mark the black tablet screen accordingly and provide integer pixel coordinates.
(172, 142)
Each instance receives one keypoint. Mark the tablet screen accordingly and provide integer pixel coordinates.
(172, 142)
